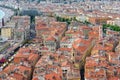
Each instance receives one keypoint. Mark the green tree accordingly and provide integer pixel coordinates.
(111, 27)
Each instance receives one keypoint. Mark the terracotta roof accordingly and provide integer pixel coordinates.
(42, 28)
(17, 76)
(65, 38)
(35, 78)
(22, 55)
(50, 38)
(65, 49)
(95, 74)
(92, 62)
(24, 68)
(53, 76)
(33, 56)
(113, 78)
(9, 68)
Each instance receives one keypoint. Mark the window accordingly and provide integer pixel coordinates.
(26, 72)
(53, 77)
(52, 49)
(35, 72)
(78, 54)
(73, 54)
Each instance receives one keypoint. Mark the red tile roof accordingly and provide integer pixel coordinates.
(113, 78)
(53, 76)
(65, 49)
(33, 56)
(17, 76)
(50, 38)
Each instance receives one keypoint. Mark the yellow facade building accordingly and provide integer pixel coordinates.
(7, 32)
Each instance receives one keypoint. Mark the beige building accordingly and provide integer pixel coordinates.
(114, 22)
(7, 32)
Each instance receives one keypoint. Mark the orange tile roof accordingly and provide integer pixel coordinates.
(118, 71)
(65, 49)
(113, 78)
(17, 76)
(99, 47)
(95, 74)
(82, 41)
(112, 54)
(33, 56)
(44, 48)
(81, 49)
(64, 38)
(9, 68)
(24, 68)
(86, 27)
(42, 28)
(113, 57)
(96, 62)
(22, 55)
(50, 38)
(65, 63)
(35, 78)
(72, 32)
(53, 76)
(37, 39)
(94, 34)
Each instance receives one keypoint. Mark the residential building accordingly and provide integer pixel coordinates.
(98, 20)
(7, 32)
(114, 22)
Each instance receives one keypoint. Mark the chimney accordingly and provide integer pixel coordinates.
(3, 24)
